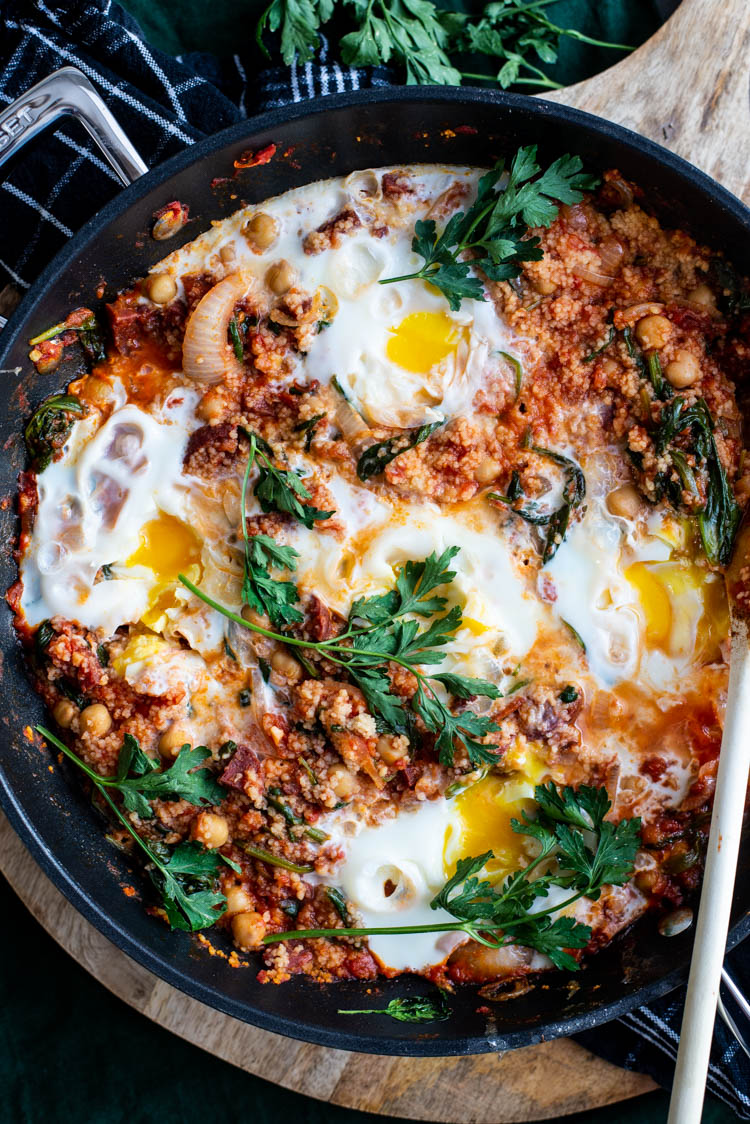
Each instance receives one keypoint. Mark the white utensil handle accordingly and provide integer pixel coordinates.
(716, 897)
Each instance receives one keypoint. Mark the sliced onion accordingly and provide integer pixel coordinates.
(618, 193)
(592, 275)
(610, 254)
(364, 186)
(624, 317)
(354, 429)
(574, 215)
(207, 356)
(324, 306)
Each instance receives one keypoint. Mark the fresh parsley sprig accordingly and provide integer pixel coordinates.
(413, 1009)
(278, 489)
(139, 779)
(382, 629)
(184, 875)
(567, 820)
(494, 231)
(262, 592)
(425, 40)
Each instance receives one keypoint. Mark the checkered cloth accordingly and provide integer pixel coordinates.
(164, 104)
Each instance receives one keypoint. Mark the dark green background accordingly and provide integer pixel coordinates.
(71, 1052)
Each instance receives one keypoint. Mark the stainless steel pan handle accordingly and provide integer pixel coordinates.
(68, 93)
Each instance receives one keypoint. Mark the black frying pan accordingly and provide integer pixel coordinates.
(328, 138)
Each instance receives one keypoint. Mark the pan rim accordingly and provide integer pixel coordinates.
(532, 108)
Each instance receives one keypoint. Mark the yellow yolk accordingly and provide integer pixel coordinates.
(168, 547)
(422, 340)
(684, 607)
(140, 647)
(484, 813)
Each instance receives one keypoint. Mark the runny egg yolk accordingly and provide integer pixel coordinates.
(422, 340)
(483, 823)
(684, 607)
(168, 547)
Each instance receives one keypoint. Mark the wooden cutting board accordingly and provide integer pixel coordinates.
(689, 89)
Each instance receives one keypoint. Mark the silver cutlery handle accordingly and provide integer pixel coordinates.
(68, 93)
(743, 1005)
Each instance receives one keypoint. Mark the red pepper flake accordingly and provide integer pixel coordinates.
(252, 157)
(467, 130)
(129, 891)
(219, 181)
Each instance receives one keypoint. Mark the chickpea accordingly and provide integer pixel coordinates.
(653, 332)
(625, 502)
(211, 406)
(702, 294)
(97, 391)
(260, 620)
(646, 880)
(95, 720)
(210, 829)
(161, 288)
(342, 781)
(227, 254)
(260, 232)
(487, 469)
(286, 665)
(280, 277)
(248, 930)
(64, 713)
(238, 900)
(390, 749)
(545, 286)
(684, 369)
(172, 741)
(610, 367)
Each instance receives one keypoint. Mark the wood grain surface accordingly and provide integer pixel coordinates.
(549, 1081)
(688, 88)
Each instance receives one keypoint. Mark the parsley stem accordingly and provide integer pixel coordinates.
(330, 649)
(100, 783)
(543, 80)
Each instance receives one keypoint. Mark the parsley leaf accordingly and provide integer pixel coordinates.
(299, 21)
(183, 780)
(185, 881)
(495, 228)
(267, 594)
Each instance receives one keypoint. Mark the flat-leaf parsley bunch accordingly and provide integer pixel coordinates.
(428, 43)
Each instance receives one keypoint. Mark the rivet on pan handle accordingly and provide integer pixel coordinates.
(69, 93)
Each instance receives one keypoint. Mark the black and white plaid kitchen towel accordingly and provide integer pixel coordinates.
(164, 104)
